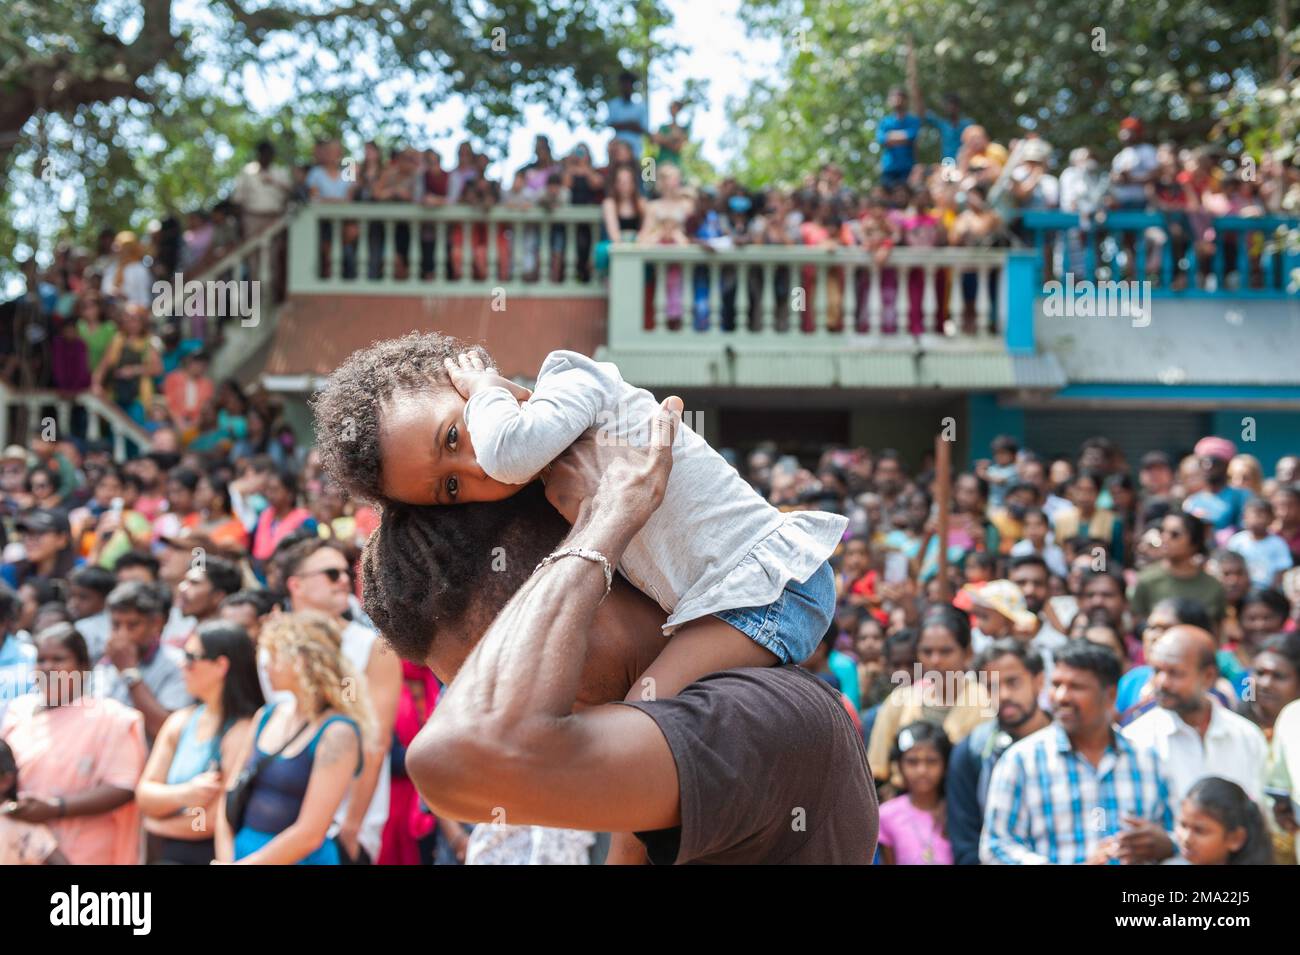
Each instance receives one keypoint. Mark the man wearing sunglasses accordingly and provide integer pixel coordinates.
(317, 577)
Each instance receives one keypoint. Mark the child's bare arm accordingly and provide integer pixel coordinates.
(697, 649)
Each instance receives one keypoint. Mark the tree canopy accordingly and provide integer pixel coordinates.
(116, 111)
(1068, 69)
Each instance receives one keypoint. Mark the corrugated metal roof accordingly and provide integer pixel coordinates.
(1193, 341)
(1038, 371)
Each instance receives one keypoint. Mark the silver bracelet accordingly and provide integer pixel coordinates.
(585, 553)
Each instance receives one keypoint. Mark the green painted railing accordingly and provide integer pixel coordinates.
(779, 297)
(403, 249)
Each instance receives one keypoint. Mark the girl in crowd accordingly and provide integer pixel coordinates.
(129, 366)
(304, 751)
(22, 843)
(182, 512)
(1263, 613)
(281, 517)
(622, 213)
(43, 486)
(1219, 825)
(79, 763)
(947, 692)
(1245, 471)
(912, 825)
(218, 522)
(126, 280)
(95, 326)
(1277, 680)
(48, 549)
(195, 755)
(665, 224)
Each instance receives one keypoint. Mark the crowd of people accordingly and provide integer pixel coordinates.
(60, 333)
(1093, 645)
(1098, 664)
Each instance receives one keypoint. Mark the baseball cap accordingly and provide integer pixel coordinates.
(43, 521)
(1212, 447)
(1155, 459)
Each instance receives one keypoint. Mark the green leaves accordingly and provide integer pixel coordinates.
(1070, 69)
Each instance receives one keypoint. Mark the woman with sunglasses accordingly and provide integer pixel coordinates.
(1180, 570)
(43, 486)
(48, 550)
(195, 755)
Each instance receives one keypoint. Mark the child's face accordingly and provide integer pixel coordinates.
(1257, 520)
(1004, 456)
(1036, 528)
(1202, 839)
(870, 642)
(426, 455)
(922, 769)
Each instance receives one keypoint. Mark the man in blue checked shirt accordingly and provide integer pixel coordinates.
(1078, 792)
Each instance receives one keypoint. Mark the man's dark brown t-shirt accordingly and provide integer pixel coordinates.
(770, 769)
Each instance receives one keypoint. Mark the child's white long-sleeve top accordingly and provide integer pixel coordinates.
(714, 544)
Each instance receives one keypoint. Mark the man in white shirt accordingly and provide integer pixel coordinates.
(1193, 734)
(1132, 168)
(261, 191)
(1284, 773)
(317, 577)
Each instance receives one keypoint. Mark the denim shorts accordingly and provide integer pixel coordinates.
(793, 624)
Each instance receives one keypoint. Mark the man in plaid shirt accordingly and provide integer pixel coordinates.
(1078, 791)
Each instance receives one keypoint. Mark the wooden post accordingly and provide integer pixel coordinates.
(942, 502)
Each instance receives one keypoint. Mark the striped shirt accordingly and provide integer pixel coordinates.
(1048, 805)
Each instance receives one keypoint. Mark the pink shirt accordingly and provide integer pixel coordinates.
(912, 834)
(65, 750)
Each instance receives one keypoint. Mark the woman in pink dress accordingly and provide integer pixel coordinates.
(282, 515)
(78, 758)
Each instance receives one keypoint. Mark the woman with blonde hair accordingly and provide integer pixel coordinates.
(126, 280)
(303, 753)
(1245, 471)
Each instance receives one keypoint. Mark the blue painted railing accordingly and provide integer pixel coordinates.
(1252, 257)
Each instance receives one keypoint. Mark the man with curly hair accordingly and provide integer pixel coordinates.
(541, 644)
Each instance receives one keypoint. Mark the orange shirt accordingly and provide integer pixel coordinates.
(66, 750)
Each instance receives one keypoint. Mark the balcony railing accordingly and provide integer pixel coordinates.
(380, 248)
(776, 296)
(82, 414)
(1179, 254)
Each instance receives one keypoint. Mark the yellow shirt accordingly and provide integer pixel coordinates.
(912, 702)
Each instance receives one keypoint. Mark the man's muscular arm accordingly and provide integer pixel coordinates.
(503, 739)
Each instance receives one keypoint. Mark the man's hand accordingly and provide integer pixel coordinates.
(1106, 850)
(347, 836)
(629, 480)
(1143, 841)
(122, 653)
(469, 376)
(33, 809)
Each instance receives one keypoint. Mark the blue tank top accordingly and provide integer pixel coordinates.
(193, 755)
(278, 791)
